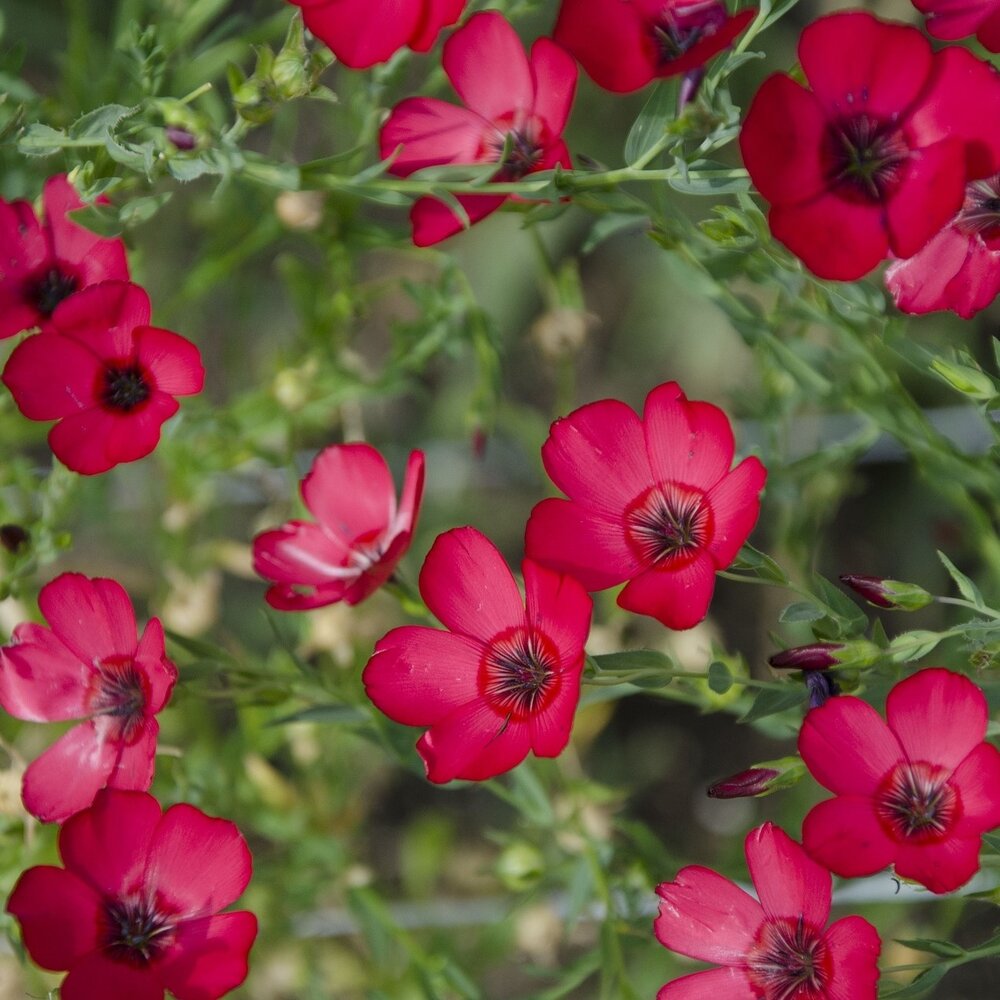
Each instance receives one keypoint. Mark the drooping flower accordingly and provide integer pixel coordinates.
(88, 664)
(516, 108)
(43, 263)
(959, 269)
(505, 680)
(357, 539)
(135, 910)
(777, 949)
(874, 158)
(107, 376)
(951, 19)
(651, 501)
(625, 45)
(916, 791)
(361, 33)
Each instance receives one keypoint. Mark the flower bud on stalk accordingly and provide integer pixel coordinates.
(759, 780)
(893, 594)
(822, 655)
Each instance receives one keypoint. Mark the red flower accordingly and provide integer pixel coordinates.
(44, 263)
(651, 501)
(516, 110)
(623, 46)
(959, 269)
(951, 19)
(135, 911)
(358, 540)
(106, 375)
(503, 681)
(775, 949)
(361, 33)
(876, 156)
(917, 793)
(87, 665)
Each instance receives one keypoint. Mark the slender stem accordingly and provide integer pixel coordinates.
(962, 603)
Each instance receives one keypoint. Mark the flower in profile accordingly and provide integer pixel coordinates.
(44, 262)
(107, 376)
(505, 680)
(959, 268)
(88, 664)
(361, 33)
(952, 19)
(515, 109)
(776, 949)
(135, 910)
(624, 46)
(357, 539)
(652, 501)
(869, 161)
(916, 791)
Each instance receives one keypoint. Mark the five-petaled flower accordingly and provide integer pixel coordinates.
(625, 45)
(361, 33)
(504, 680)
(916, 791)
(43, 263)
(776, 949)
(88, 665)
(651, 501)
(515, 111)
(951, 19)
(875, 157)
(135, 910)
(357, 539)
(959, 269)
(107, 376)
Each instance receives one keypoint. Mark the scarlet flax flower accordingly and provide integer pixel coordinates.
(951, 19)
(959, 268)
(776, 949)
(516, 108)
(916, 791)
(88, 664)
(361, 33)
(105, 374)
(44, 262)
(505, 680)
(652, 501)
(135, 910)
(624, 46)
(357, 539)
(874, 158)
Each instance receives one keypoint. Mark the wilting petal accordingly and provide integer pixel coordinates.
(679, 598)
(713, 984)
(735, 505)
(304, 554)
(844, 834)
(413, 491)
(941, 867)
(853, 946)
(208, 957)
(788, 882)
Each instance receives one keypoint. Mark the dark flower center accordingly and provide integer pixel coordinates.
(520, 672)
(48, 290)
(119, 692)
(124, 387)
(981, 211)
(668, 521)
(916, 802)
(866, 156)
(788, 961)
(680, 27)
(137, 931)
(517, 150)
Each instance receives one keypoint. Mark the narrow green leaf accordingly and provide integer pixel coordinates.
(965, 586)
(943, 949)
(801, 611)
(770, 701)
(651, 125)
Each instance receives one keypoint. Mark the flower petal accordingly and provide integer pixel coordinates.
(29, 370)
(361, 33)
(558, 606)
(678, 597)
(553, 72)
(942, 866)
(136, 763)
(788, 882)
(41, 680)
(431, 132)
(434, 221)
(844, 834)
(977, 779)
(151, 659)
(208, 957)
(93, 617)
(172, 360)
(713, 984)
(853, 946)
(413, 492)
(103, 317)
(98, 977)
(735, 505)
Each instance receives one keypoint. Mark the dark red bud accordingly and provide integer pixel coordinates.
(180, 138)
(815, 656)
(869, 587)
(753, 781)
(883, 593)
(13, 537)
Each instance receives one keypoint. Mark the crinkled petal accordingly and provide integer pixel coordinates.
(159, 671)
(99, 977)
(853, 947)
(553, 72)
(434, 221)
(41, 680)
(413, 492)
(977, 780)
(845, 835)
(305, 554)
(428, 132)
(788, 882)
(714, 984)
(28, 375)
(418, 676)
(938, 716)
(208, 957)
(172, 360)
(941, 867)
(705, 916)
(676, 596)
(735, 505)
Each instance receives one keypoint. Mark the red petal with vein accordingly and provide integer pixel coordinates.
(60, 916)
(434, 221)
(788, 882)
(551, 727)
(419, 675)
(853, 946)
(705, 916)
(431, 132)
(553, 72)
(977, 779)
(558, 606)
(938, 716)
(151, 659)
(436, 14)
(106, 845)
(41, 680)
(361, 33)
(173, 361)
(941, 867)
(468, 586)
(848, 747)
(845, 835)
(136, 763)
(954, 19)
(487, 66)
(735, 503)
(679, 598)
(208, 957)
(200, 864)
(350, 490)
(728, 982)
(40, 397)
(93, 617)
(103, 318)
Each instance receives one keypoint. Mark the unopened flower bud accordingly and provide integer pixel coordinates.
(761, 779)
(893, 594)
(822, 687)
(815, 656)
(180, 138)
(13, 537)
